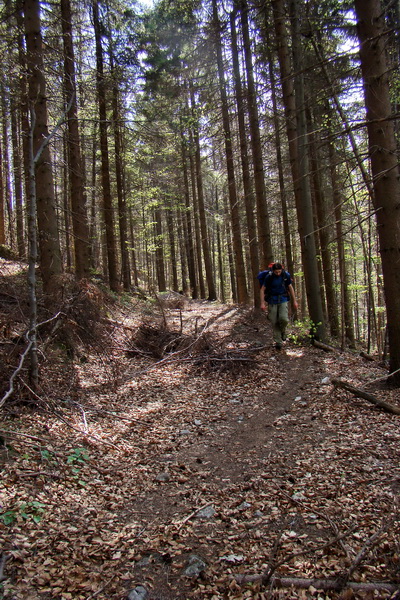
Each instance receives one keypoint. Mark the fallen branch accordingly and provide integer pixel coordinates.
(320, 584)
(395, 410)
(325, 347)
(367, 356)
(3, 561)
(192, 514)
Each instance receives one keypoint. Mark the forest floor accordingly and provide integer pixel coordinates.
(173, 453)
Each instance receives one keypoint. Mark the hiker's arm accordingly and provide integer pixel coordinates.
(292, 297)
(262, 297)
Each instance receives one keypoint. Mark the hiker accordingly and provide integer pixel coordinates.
(277, 290)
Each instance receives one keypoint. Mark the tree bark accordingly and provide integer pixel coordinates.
(159, 245)
(249, 198)
(189, 242)
(264, 234)
(80, 225)
(212, 294)
(384, 161)
(105, 164)
(17, 181)
(49, 245)
(242, 292)
(303, 197)
(119, 172)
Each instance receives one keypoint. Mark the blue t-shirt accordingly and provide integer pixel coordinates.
(276, 288)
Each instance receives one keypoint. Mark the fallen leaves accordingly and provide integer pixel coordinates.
(274, 474)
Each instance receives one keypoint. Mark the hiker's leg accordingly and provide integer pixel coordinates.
(273, 316)
(283, 318)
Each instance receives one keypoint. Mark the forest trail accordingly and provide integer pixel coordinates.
(164, 479)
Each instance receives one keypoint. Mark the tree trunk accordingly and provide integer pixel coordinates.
(264, 234)
(249, 198)
(196, 218)
(2, 220)
(50, 254)
(303, 197)
(159, 245)
(384, 161)
(119, 169)
(189, 241)
(277, 133)
(212, 294)
(172, 244)
(105, 165)
(324, 231)
(346, 305)
(243, 296)
(17, 181)
(80, 225)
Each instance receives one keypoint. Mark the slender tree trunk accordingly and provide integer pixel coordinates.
(80, 225)
(243, 296)
(264, 234)
(50, 254)
(119, 168)
(66, 209)
(105, 165)
(232, 274)
(196, 218)
(303, 197)
(189, 242)
(32, 261)
(159, 255)
(182, 237)
(249, 198)
(172, 245)
(133, 249)
(6, 167)
(2, 220)
(23, 103)
(346, 305)
(324, 237)
(384, 162)
(212, 294)
(17, 168)
(278, 145)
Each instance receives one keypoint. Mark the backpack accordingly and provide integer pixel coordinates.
(264, 278)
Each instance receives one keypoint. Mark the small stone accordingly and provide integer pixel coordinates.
(244, 506)
(198, 422)
(185, 432)
(206, 513)
(139, 593)
(163, 477)
(195, 566)
(233, 558)
(326, 380)
(299, 496)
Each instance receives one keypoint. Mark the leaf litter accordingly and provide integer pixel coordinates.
(138, 470)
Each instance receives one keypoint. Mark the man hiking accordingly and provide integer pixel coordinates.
(277, 290)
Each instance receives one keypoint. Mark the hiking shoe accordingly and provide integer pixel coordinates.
(278, 346)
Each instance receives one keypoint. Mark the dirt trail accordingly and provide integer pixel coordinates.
(281, 462)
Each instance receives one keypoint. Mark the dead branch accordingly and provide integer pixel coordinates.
(395, 410)
(325, 347)
(367, 356)
(3, 560)
(192, 514)
(369, 544)
(320, 584)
